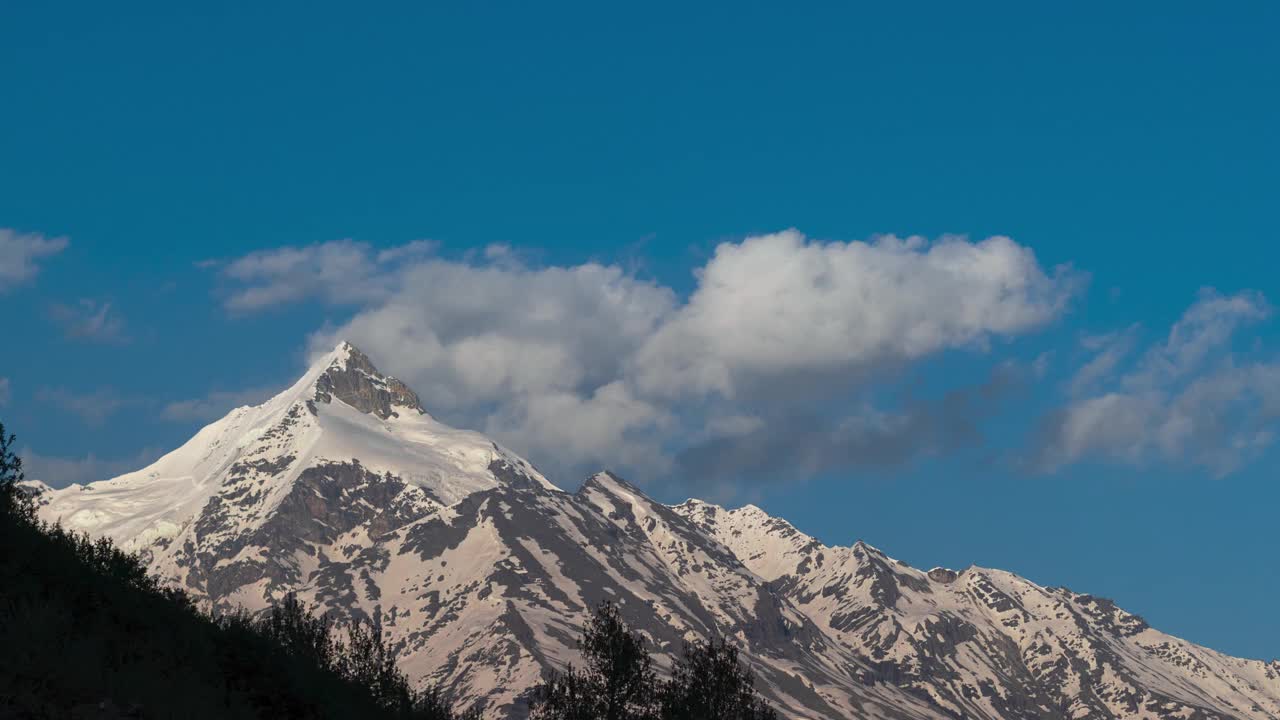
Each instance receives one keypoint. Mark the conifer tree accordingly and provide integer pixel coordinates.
(616, 681)
(369, 662)
(710, 683)
(292, 626)
(13, 501)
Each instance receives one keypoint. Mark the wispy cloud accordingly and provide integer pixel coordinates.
(58, 472)
(20, 254)
(1186, 399)
(89, 320)
(340, 272)
(1109, 351)
(5, 391)
(214, 404)
(93, 408)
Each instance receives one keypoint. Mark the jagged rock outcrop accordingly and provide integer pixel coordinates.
(358, 383)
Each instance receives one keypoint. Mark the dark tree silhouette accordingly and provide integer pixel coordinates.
(616, 681)
(371, 663)
(710, 683)
(13, 501)
(432, 704)
(294, 628)
(85, 631)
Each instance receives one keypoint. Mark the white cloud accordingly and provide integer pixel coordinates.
(591, 364)
(1204, 329)
(5, 391)
(608, 428)
(781, 304)
(1109, 351)
(90, 320)
(339, 271)
(93, 408)
(19, 254)
(523, 353)
(1186, 399)
(215, 404)
(409, 251)
(59, 472)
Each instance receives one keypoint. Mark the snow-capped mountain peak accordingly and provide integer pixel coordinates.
(341, 418)
(344, 490)
(350, 376)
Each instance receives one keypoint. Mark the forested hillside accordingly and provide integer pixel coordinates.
(85, 632)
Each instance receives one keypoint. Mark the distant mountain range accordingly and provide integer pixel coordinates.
(345, 491)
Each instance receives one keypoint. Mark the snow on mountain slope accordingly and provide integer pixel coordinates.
(987, 643)
(343, 490)
(496, 588)
(252, 484)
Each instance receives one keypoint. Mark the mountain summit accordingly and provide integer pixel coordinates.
(343, 446)
(352, 378)
(343, 490)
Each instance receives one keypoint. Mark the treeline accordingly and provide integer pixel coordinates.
(617, 680)
(86, 632)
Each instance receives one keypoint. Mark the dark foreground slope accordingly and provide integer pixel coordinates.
(86, 633)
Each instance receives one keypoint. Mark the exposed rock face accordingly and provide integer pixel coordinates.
(356, 382)
(326, 503)
(943, 575)
(343, 490)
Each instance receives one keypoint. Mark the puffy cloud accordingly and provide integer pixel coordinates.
(780, 304)
(20, 253)
(214, 405)
(1185, 399)
(477, 333)
(89, 320)
(608, 428)
(523, 353)
(590, 364)
(59, 472)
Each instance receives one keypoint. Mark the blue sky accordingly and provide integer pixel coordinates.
(193, 202)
